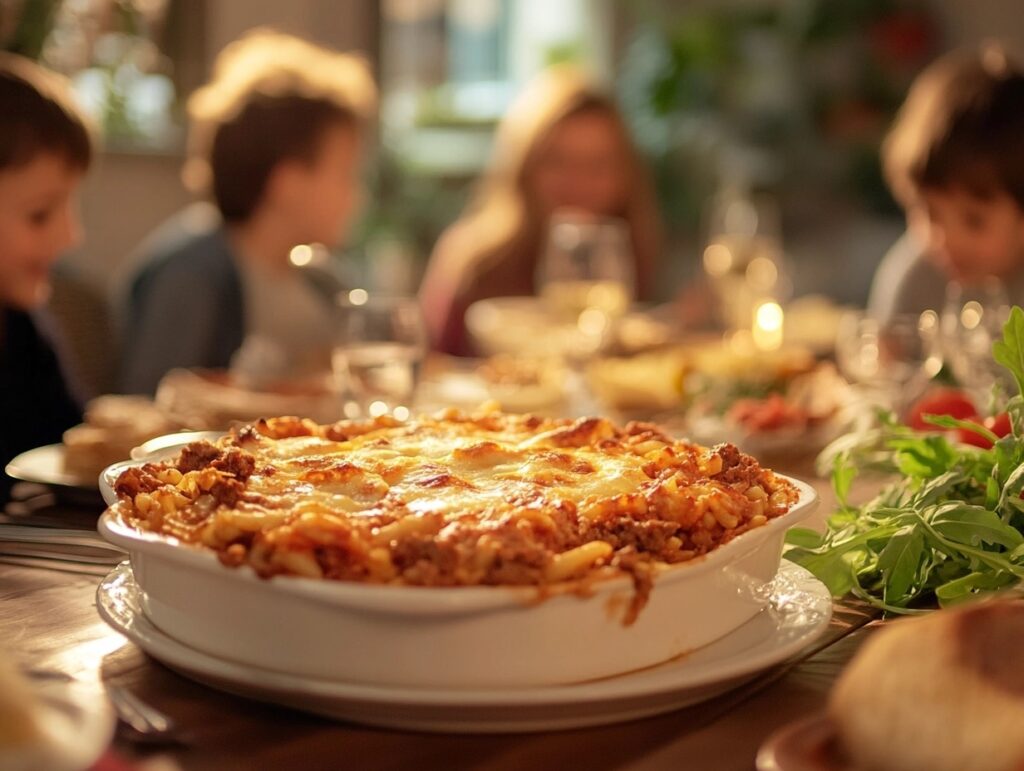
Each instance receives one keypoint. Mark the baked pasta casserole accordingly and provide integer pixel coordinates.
(454, 499)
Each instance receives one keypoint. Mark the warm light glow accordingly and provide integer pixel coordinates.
(83, 659)
(301, 255)
(762, 274)
(592, 322)
(928, 322)
(358, 297)
(767, 329)
(970, 315)
(376, 409)
(401, 413)
(741, 342)
(717, 259)
(928, 327)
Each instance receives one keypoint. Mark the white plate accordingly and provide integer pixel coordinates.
(45, 465)
(799, 610)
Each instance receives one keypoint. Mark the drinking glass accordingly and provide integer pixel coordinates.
(380, 348)
(743, 258)
(972, 320)
(894, 359)
(586, 277)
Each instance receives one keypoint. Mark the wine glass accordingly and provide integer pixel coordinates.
(586, 277)
(972, 320)
(892, 359)
(380, 348)
(743, 259)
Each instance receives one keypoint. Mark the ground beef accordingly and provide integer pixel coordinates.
(644, 536)
(135, 480)
(236, 462)
(197, 455)
(736, 467)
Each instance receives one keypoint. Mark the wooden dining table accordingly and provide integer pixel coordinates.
(49, 622)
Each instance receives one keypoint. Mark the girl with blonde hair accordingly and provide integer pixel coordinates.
(562, 145)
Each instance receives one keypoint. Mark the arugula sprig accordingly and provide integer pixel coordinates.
(949, 526)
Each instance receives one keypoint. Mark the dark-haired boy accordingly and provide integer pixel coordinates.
(44, 151)
(955, 161)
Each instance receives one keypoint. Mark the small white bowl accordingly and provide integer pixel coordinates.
(461, 637)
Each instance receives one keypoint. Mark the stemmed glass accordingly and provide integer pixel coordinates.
(380, 348)
(972, 320)
(586, 277)
(892, 359)
(743, 259)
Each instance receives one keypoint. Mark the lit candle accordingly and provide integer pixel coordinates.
(767, 328)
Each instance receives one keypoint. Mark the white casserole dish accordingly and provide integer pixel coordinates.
(463, 637)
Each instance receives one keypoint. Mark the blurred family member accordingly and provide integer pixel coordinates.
(955, 161)
(562, 145)
(275, 139)
(44, 151)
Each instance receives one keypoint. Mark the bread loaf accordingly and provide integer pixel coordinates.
(942, 692)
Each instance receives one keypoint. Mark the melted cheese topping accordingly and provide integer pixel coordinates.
(449, 474)
(453, 499)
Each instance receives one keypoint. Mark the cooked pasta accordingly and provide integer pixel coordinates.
(453, 500)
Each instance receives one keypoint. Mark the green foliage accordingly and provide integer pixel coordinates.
(949, 528)
(28, 34)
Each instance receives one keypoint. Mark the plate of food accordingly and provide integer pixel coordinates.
(519, 383)
(46, 466)
(113, 427)
(799, 409)
(522, 551)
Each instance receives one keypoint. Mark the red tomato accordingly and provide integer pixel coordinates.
(940, 401)
(970, 437)
(999, 424)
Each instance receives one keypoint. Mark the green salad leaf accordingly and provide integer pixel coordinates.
(947, 527)
(1010, 350)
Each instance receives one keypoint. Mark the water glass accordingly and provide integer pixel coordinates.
(894, 358)
(380, 348)
(586, 277)
(972, 320)
(743, 258)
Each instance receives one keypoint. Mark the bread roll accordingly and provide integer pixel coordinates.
(945, 691)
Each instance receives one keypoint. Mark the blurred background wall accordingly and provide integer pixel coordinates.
(787, 99)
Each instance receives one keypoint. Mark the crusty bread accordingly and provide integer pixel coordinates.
(945, 691)
(113, 426)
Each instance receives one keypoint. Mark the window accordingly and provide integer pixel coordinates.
(119, 55)
(455, 65)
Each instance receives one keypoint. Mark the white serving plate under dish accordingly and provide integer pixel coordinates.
(455, 637)
(798, 611)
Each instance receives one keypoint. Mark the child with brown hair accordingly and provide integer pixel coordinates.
(955, 161)
(275, 141)
(45, 150)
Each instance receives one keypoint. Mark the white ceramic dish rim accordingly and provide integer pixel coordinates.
(655, 680)
(426, 601)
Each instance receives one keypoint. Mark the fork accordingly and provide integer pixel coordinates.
(145, 723)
